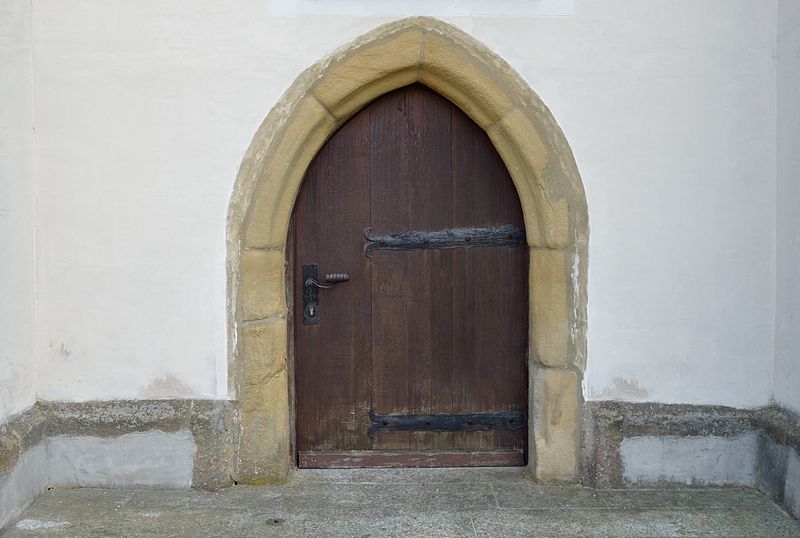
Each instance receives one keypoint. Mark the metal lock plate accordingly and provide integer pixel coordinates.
(310, 296)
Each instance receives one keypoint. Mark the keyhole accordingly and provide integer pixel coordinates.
(311, 311)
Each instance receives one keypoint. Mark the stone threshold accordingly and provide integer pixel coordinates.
(405, 502)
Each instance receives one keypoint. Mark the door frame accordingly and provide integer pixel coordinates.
(545, 175)
(455, 146)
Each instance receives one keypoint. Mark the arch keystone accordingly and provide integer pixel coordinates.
(455, 71)
(358, 76)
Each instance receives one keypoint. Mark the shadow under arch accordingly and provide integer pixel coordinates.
(546, 177)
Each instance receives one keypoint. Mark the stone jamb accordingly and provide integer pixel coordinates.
(551, 193)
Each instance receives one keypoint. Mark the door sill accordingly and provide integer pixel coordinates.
(391, 460)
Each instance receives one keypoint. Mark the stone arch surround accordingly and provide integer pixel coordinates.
(541, 164)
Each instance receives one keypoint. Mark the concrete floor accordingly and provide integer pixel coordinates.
(379, 503)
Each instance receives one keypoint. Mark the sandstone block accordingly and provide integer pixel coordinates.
(550, 307)
(369, 71)
(459, 74)
(554, 418)
(263, 284)
(284, 165)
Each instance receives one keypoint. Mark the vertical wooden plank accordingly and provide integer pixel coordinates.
(333, 358)
(411, 293)
(490, 294)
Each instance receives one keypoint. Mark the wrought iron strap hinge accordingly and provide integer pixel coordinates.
(445, 422)
(492, 236)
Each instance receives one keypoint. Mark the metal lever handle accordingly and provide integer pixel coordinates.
(331, 279)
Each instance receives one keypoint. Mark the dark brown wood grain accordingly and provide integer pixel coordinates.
(412, 350)
(421, 331)
(490, 286)
(333, 358)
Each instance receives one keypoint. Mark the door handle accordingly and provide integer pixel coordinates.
(331, 279)
(311, 287)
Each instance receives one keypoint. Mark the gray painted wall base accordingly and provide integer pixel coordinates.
(792, 486)
(147, 459)
(778, 465)
(20, 486)
(697, 461)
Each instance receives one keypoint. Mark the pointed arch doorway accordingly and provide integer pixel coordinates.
(540, 163)
(419, 357)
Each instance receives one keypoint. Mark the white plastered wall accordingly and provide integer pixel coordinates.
(17, 367)
(144, 110)
(787, 330)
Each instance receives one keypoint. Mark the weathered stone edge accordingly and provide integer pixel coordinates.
(211, 422)
(779, 424)
(19, 433)
(607, 423)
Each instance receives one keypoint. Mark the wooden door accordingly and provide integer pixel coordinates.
(419, 359)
